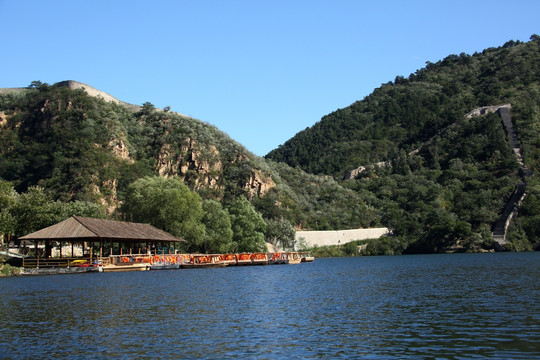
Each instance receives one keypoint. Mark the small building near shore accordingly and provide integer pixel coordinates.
(92, 238)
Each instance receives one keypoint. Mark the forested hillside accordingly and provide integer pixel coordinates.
(448, 194)
(402, 114)
(81, 150)
(442, 181)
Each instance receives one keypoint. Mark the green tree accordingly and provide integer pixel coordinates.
(280, 232)
(79, 208)
(8, 197)
(248, 226)
(32, 211)
(36, 84)
(167, 204)
(219, 234)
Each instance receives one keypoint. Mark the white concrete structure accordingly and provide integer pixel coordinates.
(338, 237)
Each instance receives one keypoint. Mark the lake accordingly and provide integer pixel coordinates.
(453, 306)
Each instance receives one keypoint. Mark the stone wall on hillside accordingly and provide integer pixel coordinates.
(487, 109)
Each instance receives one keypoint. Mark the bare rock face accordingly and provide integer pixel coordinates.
(202, 167)
(259, 184)
(110, 200)
(3, 118)
(166, 166)
(120, 149)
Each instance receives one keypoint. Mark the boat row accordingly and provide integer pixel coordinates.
(189, 261)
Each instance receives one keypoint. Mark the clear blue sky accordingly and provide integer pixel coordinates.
(261, 71)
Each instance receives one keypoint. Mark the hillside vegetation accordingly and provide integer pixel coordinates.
(449, 193)
(442, 183)
(81, 149)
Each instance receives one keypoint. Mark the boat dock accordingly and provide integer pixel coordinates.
(80, 244)
(138, 262)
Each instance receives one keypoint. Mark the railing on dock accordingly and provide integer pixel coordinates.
(139, 258)
(31, 263)
(162, 260)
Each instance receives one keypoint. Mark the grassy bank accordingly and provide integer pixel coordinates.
(8, 270)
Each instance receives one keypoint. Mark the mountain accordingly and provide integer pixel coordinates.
(410, 156)
(439, 177)
(403, 114)
(79, 143)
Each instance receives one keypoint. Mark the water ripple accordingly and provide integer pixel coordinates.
(408, 307)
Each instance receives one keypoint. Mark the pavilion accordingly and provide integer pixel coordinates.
(113, 237)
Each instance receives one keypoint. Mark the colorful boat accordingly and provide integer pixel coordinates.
(278, 258)
(164, 262)
(122, 263)
(294, 258)
(307, 257)
(187, 261)
(259, 259)
(229, 259)
(243, 259)
(203, 261)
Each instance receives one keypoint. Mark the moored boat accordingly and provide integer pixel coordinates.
(278, 258)
(203, 261)
(228, 259)
(307, 257)
(122, 263)
(243, 259)
(259, 259)
(164, 262)
(124, 267)
(294, 258)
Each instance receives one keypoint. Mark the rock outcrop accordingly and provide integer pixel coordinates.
(202, 168)
(259, 184)
(3, 118)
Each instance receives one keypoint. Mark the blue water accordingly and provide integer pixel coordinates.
(459, 306)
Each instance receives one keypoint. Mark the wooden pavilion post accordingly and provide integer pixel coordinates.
(37, 253)
(91, 250)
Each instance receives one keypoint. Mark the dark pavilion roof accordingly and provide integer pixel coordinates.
(89, 229)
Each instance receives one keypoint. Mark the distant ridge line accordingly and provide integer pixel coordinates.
(90, 90)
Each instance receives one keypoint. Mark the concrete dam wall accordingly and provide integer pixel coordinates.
(338, 237)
